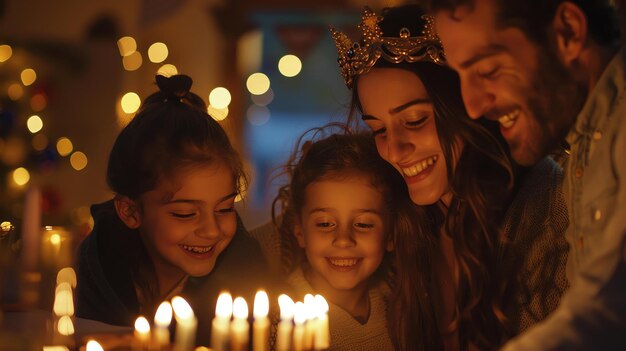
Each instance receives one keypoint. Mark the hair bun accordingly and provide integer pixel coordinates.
(176, 86)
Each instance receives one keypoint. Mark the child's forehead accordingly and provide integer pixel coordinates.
(187, 178)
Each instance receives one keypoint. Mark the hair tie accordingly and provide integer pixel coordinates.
(176, 87)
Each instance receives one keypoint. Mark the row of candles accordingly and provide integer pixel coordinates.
(302, 326)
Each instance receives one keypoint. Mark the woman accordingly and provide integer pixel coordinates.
(480, 233)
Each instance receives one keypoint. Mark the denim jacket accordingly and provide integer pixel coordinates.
(592, 314)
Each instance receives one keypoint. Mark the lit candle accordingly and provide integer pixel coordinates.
(261, 326)
(93, 345)
(162, 320)
(63, 301)
(310, 325)
(239, 327)
(221, 322)
(67, 275)
(299, 317)
(283, 338)
(186, 324)
(142, 334)
(322, 334)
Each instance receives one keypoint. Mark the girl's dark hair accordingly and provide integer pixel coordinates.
(481, 184)
(172, 130)
(338, 156)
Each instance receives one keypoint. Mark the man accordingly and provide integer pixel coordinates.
(551, 71)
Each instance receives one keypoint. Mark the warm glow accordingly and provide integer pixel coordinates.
(15, 91)
(34, 124)
(64, 146)
(286, 307)
(258, 83)
(167, 70)
(219, 98)
(67, 275)
(65, 326)
(21, 176)
(28, 76)
(309, 306)
(202, 348)
(264, 99)
(142, 326)
(163, 315)
(289, 65)
(40, 142)
(55, 239)
(217, 114)
(63, 303)
(65, 286)
(56, 348)
(258, 115)
(93, 345)
(261, 304)
(299, 313)
(130, 102)
(224, 306)
(126, 45)
(157, 52)
(5, 52)
(240, 308)
(6, 226)
(321, 306)
(132, 62)
(78, 160)
(182, 310)
(38, 102)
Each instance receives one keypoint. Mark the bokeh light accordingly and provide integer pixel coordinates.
(258, 115)
(64, 146)
(5, 52)
(130, 102)
(127, 45)
(167, 70)
(15, 91)
(258, 83)
(38, 102)
(40, 142)
(78, 160)
(132, 62)
(157, 52)
(34, 124)
(219, 98)
(218, 114)
(263, 99)
(289, 65)
(28, 76)
(21, 176)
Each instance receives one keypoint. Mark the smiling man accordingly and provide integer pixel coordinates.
(551, 72)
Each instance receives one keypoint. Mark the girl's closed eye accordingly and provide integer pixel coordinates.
(417, 122)
(183, 214)
(364, 225)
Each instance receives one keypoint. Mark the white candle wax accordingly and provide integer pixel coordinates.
(311, 322)
(283, 337)
(322, 334)
(186, 324)
(162, 320)
(299, 319)
(239, 328)
(261, 326)
(221, 322)
(142, 334)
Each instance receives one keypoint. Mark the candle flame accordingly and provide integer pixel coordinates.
(142, 326)
(55, 239)
(62, 287)
(181, 308)
(65, 326)
(309, 306)
(224, 307)
(163, 316)
(63, 303)
(240, 308)
(67, 275)
(261, 304)
(321, 305)
(299, 315)
(93, 345)
(56, 348)
(286, 307)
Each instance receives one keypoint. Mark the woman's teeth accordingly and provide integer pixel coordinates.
(343, 262)
(419, 167)
(197, 249)
(508, 120)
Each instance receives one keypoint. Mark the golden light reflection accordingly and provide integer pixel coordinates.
(78, 160)
(130, 102)
(65, 326)
(40, 142)
(258, 83)
(38, 102)
(67, 275)
(133, 61)
(289, 65)
(127, 45)
(63, 303)
(5, 52)
(93, 345)
(55, 239)
(167, 70)
(64, 146)
(157, 52)
(21, 176)
(263, 99)
(15, 91)
(28, 76)
(219, 98)
(217, 114)
(34, 124)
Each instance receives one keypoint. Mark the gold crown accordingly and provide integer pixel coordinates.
(359, 57)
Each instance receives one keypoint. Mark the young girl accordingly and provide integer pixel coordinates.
(338, 219)
(171, 227)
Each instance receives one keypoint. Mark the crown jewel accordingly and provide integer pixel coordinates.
(356, 58)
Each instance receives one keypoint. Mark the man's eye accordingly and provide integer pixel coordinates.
(183, 215)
